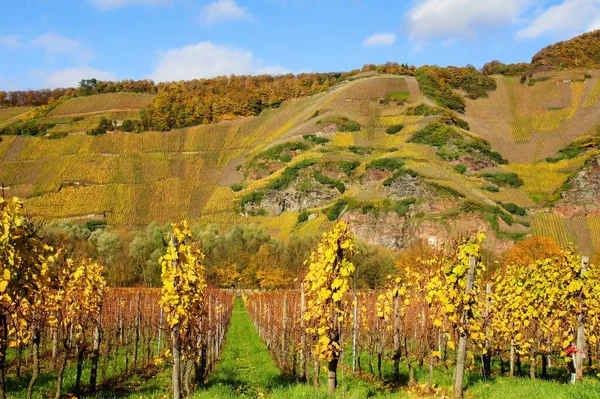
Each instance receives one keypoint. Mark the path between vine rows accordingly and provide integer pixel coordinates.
(245, 367)
(247, 370)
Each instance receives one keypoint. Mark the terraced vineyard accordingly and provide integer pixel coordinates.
(552, 226)
(521, 131)
(125, 178)
(8, 115)
(583, 232)
(100, 103)
(542, 115)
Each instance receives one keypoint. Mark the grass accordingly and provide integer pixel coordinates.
(521, 388)
(146, 381)
(246, 370)
(399, 97)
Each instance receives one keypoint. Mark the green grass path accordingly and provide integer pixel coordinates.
(246, 367)
(246, 370)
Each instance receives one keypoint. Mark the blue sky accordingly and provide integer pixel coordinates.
(55, 43)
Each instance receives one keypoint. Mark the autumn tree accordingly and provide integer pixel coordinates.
(22, 268)
(75, 304)
(528, 251)
(182, 298)
(328, 278)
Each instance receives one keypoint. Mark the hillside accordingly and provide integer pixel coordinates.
(432, 156)
(361, 151)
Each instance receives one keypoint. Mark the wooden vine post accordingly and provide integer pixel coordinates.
(175, 343)
(304, 350)
(159, 339)
(486, 364)
(354, 332)
(580, 328)
(96, 341)
(397, 336)
(462, 343)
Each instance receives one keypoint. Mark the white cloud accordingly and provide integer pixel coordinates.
(380, 40)
(10, 41)
(55, 44)
(107, 4)
(71, 77)
(222, 10)
(205, 60)
(451, 19)
(595, 25)
(568, 17)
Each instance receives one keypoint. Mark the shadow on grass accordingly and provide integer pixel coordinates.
(18, 385)
(141, 383)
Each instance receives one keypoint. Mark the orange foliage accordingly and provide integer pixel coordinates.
(535, 248)
(408, 258)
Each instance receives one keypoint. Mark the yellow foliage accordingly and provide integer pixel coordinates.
(542, 177)
(325, 283)
(183, 287)
(343, 139)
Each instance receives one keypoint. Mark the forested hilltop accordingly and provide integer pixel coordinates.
(190, 103)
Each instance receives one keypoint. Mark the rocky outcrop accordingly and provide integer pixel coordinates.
(397, 233)
(385, 229)
(583, 196)
(406, 186)
(585, 184)
(293, 199)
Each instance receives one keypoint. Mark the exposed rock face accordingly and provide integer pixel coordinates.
(388, 230)
(586, 184)
(406, 186)
(584, 196)
(397, 233)
(294, 200)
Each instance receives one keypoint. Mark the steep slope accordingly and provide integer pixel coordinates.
(374, 151)
(134, 179)
(539, 116)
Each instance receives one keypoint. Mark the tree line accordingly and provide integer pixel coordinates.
(240, 256)
(282, 84)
